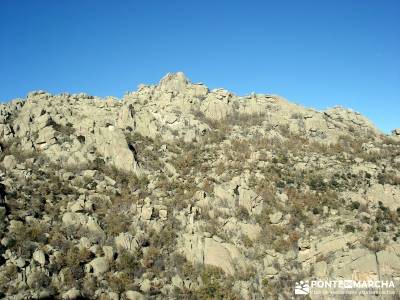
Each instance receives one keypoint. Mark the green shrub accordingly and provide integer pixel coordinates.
(8, 274)
(355, 205)
(120, 282)
(64, 129)
(317, 184)
(213, 285)
(242, 213)
(280, 184)
(349, 228)
(39, 280)
(316, 210)
(129, 263)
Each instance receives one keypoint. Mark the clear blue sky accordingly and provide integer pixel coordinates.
(316, 53)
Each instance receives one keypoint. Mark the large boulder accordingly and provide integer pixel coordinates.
(126, 241)
(112, 145)
(134, 295)
(212, 252)
(9, 162)
(72, 219)
(250, 200)
(99, 265)
(47, 136)
(389, 195)
(6, 132)
(325, 246)
(215, 254)
(363, 264)
(217, 105)
(39, 257)
(78, 221)
(174, 83)
(71, 294)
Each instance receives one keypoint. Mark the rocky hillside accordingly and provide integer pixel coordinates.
(179, 192)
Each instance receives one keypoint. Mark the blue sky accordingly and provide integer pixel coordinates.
(315, 53)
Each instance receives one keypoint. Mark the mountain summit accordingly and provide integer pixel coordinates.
(173, 82)
(173, 109)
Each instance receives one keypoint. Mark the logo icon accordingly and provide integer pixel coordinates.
(302, 288)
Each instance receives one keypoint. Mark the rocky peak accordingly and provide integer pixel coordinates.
(174, 109)
(174, 82)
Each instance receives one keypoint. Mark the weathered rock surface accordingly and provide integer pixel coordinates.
(99, 265)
